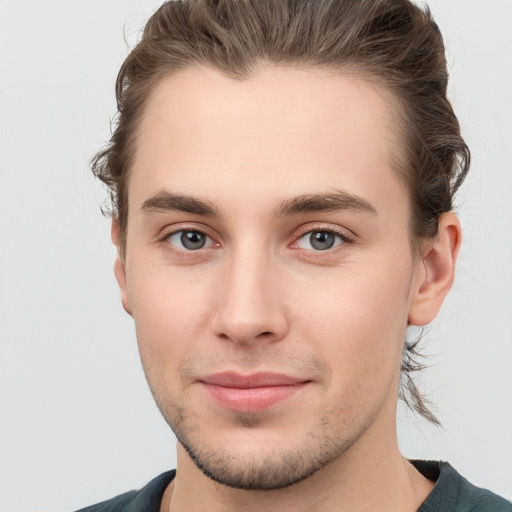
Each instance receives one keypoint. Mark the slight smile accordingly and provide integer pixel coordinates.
(251, 393)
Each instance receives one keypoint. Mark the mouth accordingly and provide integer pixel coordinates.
(251, 393)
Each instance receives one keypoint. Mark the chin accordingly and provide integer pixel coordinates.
(252, 456)
(258, 469)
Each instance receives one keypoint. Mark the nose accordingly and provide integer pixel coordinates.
(251, 306)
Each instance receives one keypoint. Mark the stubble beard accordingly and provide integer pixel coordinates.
(273, 469)
(334, 431)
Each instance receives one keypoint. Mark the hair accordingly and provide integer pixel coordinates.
(391, 42)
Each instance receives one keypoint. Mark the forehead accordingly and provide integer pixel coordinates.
(283, 131)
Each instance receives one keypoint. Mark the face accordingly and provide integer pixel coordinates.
(268, 268)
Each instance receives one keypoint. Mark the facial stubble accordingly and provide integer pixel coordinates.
(276, 468)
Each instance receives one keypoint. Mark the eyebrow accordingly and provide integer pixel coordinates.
(334, 202)
(306, 203)
(165, 201)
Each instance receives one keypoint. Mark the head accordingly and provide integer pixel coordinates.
(261, 152)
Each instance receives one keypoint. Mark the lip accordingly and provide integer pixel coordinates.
(251, 393)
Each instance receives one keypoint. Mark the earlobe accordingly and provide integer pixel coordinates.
(119, 266)
(436, 270)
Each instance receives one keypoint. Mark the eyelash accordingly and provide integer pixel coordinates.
(165, 239)
(330, 231)
(343, 237)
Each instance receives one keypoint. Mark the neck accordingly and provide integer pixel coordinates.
(371, 476)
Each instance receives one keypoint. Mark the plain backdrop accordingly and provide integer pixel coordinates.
(77, 423)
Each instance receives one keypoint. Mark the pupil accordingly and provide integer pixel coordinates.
(321, 240)
(192, 240)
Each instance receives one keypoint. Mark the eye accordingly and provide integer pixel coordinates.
(320, 240)
(189, 240)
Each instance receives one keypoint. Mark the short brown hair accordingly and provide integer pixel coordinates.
(391, 41)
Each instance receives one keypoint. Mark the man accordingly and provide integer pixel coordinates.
(282, 177)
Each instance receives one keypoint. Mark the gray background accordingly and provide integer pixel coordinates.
(77, 423)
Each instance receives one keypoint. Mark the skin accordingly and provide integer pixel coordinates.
(260, 297)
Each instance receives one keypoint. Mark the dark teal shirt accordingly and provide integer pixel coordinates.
(451, 493)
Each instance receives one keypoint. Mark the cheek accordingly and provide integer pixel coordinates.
(170, 312)
(358, 321)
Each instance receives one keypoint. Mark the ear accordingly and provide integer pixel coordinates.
(119, 266)
(435, 271)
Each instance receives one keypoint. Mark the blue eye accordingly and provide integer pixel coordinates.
(189, 240)
(320, 240)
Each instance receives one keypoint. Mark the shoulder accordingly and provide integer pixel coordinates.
(452, 492)
(116, 504)
(146, 499)
(481, 500)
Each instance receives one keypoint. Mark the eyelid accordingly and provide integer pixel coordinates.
(346, 235)
(169, 231)
(184, 226)
(307, 239)
(179, 234)
(343, 233)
